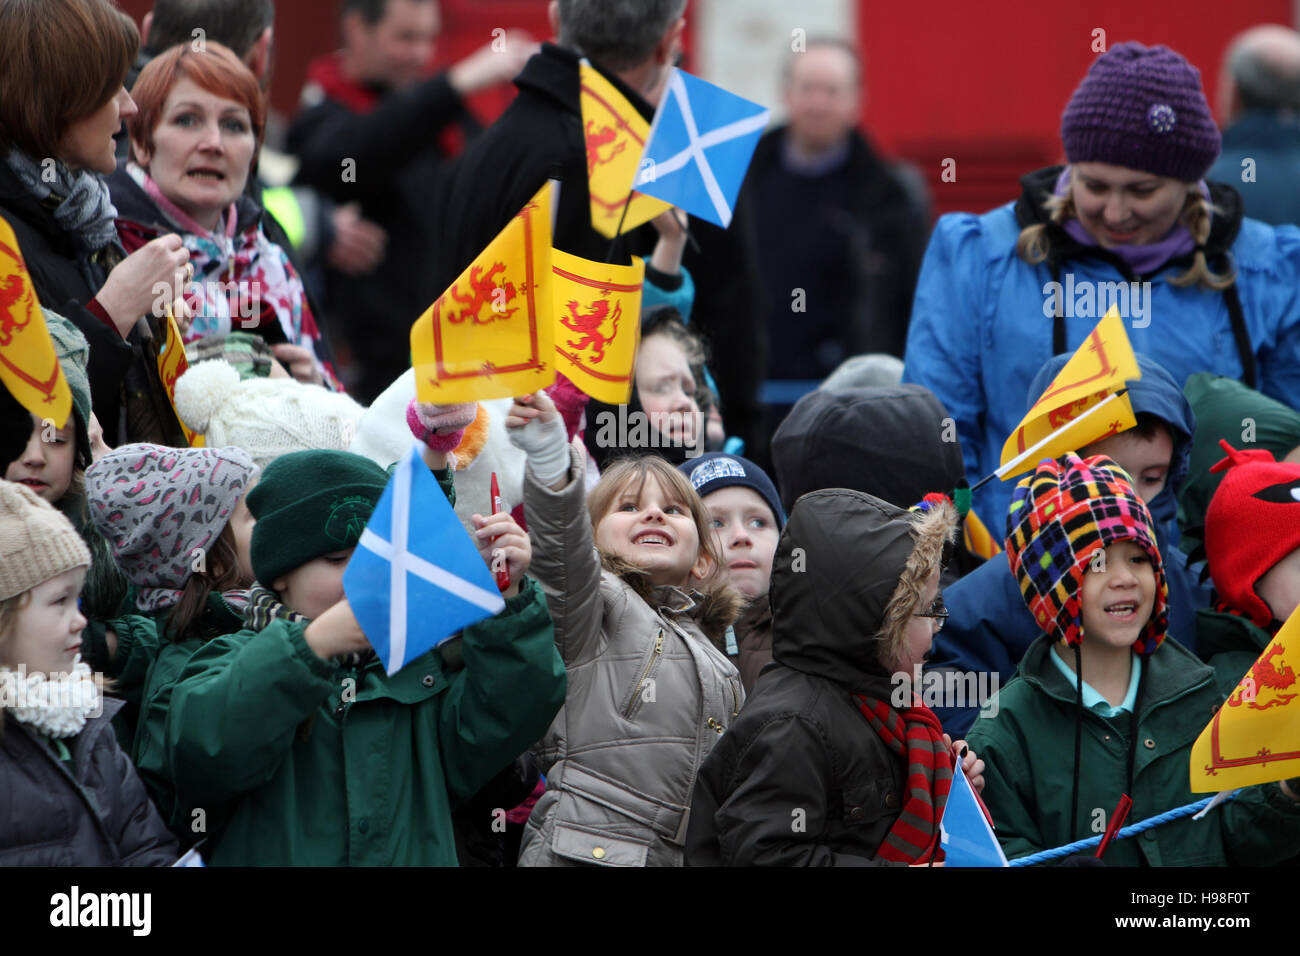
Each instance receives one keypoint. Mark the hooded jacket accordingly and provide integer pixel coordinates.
(90, 810)
(802, 779)
(989, 628)
(891, 441)
(982, 327)
(649, 696)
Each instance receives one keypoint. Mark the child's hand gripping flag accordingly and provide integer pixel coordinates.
(1086, 402)
(598, 323)
(416, 578)
(28, 366)
(491, 334)
(964, 832)
(1255, 736)
(700, 145)
(615, 134)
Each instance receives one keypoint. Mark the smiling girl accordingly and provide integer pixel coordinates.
(639, 619)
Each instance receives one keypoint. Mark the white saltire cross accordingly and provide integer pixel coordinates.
(402, 562)
(698, 144)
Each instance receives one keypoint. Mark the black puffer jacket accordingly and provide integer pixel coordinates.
(801, 778)
(91, 811)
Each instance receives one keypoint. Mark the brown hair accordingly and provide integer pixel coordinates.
(722, 601)
(60, 61)
(215, 69)
(1032, 246)
(221, 574)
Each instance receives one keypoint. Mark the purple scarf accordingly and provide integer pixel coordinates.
(1142, 259)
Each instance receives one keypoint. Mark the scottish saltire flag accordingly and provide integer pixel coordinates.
(416, 578)
(965, 834)
(700, 144)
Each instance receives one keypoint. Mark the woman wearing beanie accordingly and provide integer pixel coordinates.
(178, 528)
(291, 735)
(1131, 206)
(70, 795)
(1102, 704)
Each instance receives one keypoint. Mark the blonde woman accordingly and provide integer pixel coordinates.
(1129, 220)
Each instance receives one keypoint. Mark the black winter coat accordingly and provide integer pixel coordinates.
(91, 811)
(126, 392)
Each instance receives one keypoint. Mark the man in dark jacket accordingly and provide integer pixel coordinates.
(634, 44)
(1259, 100)
(841, 230)
(990, 627)
(369, 132)
(813, 771)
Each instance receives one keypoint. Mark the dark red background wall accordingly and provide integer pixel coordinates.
(983, 83)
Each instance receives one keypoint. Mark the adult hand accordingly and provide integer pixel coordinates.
(668, 251)
(498, 62)
(147, 281)
(299, 361)
(512, 546)
(358, 245)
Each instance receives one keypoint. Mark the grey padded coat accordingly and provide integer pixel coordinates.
(649, 696)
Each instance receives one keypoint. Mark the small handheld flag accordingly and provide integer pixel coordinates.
(598, 323)
(700, 145)
(491, 334)
(614, 134)
(1099, 369)
(416, 579)
(29, 367)
(965, 834)
(1255, 736)
(172, 364)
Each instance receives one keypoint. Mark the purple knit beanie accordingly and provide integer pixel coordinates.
(1142, 108)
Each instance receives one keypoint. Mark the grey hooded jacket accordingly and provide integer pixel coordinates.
(649, 695)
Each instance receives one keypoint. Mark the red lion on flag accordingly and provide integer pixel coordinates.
(592, 326)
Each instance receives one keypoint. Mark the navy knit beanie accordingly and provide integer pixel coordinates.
(716, 470)
(1142, 108)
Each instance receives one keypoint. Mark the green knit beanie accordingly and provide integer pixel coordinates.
(73, 353)
(309, 504)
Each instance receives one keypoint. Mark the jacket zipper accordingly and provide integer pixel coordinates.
(735, 698)
(645, 673)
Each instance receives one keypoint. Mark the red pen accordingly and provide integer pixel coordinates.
(503, 576)
(1116, 821)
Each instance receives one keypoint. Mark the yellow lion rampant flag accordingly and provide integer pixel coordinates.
(28, 366)
(597, 323)
(172, 364)
(1069, 414)
(615, 134)
(491, 334)
(1255, 736)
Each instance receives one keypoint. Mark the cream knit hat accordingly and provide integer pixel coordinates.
(36, 541)
(267, 417)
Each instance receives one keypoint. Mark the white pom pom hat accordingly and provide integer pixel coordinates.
(267, 417)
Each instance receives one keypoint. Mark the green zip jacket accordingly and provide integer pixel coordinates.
(298, 761)
(1028, 749)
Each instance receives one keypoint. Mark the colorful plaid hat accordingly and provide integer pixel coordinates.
(1059, 516)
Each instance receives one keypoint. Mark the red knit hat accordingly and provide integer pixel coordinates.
(1253, 522)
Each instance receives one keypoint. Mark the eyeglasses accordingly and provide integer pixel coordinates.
(937, 611)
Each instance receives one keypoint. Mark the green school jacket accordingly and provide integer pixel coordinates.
(1028, 749)
(299, 761)
(1230, 644)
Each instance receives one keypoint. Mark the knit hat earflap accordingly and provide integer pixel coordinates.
(1257, 493)
(36, 541)
(1059, 516)
(1142, 108)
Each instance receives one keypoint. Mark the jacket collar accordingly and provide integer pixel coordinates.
(554, 73)
(1037, 188)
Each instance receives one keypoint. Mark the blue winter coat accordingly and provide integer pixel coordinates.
(989, 627)
(982, 327)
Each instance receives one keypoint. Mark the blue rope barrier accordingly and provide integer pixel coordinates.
(1149, 823)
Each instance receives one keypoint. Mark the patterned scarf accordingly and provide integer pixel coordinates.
(235, 274)
(84, 209)
(265, 606)
(914, 733)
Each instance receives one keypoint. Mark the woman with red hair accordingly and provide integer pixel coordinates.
(194, 144)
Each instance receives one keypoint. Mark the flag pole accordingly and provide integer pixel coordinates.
(609, 256)
(1009, 467)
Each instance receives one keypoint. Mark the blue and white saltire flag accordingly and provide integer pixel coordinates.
(965, 834)
(700, 144)
(416, 578)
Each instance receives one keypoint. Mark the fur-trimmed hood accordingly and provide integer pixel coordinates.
(848, 574)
